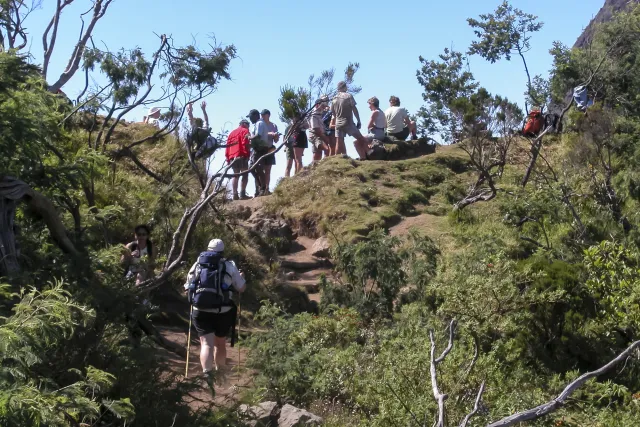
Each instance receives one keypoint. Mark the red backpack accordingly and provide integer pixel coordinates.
(534, 124)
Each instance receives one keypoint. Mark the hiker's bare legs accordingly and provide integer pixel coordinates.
(267, 176)
(287, 171)
(220, 355)
(332, 145)
(244, 180)
(297, 154)
(340, 147)
(361, 144)
(234, 185)
(207, 343)
(414, 130)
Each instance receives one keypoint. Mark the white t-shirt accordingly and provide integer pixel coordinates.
(232, 278)
(395, 119)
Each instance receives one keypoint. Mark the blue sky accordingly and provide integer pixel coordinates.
(284, 42)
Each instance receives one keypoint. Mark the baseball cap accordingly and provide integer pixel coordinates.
(216, 245)
(253, 112)
(265, 111)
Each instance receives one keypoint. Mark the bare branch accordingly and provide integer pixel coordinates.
(476, 407)
(440, 397)
(452, 327)
(555, 404)
(48, 43)
(99, 9)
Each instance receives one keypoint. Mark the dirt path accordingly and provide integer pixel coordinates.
(227, 391)
(299, 269)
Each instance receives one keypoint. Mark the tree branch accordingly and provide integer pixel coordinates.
(440, 397)
(476, 407)
(99, 9)
(553, 405)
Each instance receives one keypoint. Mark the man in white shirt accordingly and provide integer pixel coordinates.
(399, 125)
(214, 324)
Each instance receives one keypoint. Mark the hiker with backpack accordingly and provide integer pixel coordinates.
(139, 255)
(319, 141)
(210, 284)
(329, 130)
(237, 154)
(199, 139)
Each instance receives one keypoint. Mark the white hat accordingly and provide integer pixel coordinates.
(154, 110)
(216, 245)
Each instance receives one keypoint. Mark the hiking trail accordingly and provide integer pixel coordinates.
(299, 273)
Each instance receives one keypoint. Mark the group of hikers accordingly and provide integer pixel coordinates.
(212, 279)
(252, 145)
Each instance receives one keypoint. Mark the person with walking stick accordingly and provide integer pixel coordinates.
(211, 282)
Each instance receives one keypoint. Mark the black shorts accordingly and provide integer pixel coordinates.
(240, 164)
(217, 323)
(402, 135)
(301, 142)
(270, 160)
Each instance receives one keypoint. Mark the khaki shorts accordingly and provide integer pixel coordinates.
(316, 142)
(348, 129)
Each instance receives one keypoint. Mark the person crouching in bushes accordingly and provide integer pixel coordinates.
(138, 257)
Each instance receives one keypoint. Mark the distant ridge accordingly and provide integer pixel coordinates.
(604, 15)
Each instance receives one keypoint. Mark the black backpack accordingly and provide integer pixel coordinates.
(210, 290)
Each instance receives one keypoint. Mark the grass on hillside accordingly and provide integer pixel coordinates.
(349, 198)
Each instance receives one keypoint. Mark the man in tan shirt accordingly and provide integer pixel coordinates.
(344, 108)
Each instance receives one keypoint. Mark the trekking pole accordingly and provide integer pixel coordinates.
(186, 370)
(239, 320)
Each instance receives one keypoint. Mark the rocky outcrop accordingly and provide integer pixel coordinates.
(264, 414)
(290, 416)
(395, 149)
(275, 231)
(321, 248)
(610, 8)
(268, 414)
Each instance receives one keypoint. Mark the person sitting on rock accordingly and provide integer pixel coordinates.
(399, 125)
(377, 122)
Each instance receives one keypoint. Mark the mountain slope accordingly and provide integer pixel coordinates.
(604, 15)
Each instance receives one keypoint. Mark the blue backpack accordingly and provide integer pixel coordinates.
(209, 291)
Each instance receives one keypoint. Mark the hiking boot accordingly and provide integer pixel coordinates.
(267, 192)
(210, 379)
(235, 196)
(244, 196)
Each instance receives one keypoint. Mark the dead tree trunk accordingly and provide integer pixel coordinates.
(11, 192)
